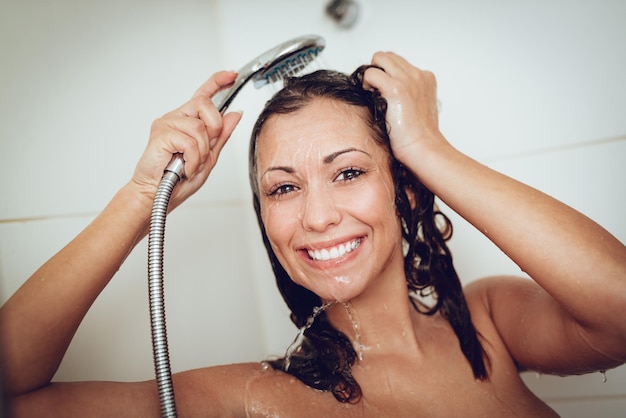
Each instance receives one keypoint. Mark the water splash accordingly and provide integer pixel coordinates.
(297, 342)
(357, 330)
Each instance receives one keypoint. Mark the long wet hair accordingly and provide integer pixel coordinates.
(326, 356)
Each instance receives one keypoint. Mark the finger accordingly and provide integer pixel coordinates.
(231, 120)
(203, 120)
(392, 63)
(217, 82)
(176, 141)
(374, 78)
(194, 129)
(206, 111)
(385, 60)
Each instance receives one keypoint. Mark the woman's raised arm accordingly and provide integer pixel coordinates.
(38, 322)
(574, 321)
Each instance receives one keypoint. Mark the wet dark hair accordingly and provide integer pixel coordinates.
(326, 355)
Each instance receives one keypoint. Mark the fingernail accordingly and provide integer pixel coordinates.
(212, 142)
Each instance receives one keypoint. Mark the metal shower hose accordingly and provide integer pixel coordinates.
(156, 240)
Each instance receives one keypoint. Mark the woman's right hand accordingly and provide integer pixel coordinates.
(198, 131)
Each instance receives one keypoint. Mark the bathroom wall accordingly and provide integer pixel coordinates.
(81, 84)
(535, 90)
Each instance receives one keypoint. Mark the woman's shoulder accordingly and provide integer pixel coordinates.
(246, 390)
(480, 294)
(493, 302)
(216, 390)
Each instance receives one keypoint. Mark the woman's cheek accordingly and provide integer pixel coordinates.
(279, 219)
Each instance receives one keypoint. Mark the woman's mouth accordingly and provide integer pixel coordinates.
(337, 251)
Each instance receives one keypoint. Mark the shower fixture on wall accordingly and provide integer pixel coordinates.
(343, 12)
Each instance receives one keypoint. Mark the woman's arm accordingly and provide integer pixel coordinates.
(580, 265)
(221, 391)
(38, 322)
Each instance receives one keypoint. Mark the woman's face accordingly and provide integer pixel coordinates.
(327, 199)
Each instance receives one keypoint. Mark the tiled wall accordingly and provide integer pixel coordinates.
(535, 90)
(81, 85)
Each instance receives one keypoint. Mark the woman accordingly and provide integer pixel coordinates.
(338, 186)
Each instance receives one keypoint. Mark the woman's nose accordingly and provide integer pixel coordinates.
(320, 211)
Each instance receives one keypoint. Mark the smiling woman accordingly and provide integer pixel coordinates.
(332, 202)
(344, 172)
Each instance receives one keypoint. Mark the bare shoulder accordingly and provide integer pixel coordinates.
(521, 320)
(215, 391)
(505, 301)
(251, 390)
(494, 304)
(482, 293)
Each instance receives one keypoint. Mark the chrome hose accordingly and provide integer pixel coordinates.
(156, 239)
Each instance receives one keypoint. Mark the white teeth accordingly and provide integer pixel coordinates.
(334, 252)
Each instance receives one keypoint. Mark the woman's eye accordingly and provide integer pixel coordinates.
(349, 174)
(281, 189)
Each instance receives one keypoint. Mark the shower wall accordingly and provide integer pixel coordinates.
(81, 84)
(534, 89)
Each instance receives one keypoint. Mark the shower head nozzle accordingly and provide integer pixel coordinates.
(284, 60)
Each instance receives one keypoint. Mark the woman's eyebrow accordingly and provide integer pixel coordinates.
(331, 157)
(286, 169)
(327, 160)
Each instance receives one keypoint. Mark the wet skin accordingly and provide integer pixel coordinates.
(327, 200)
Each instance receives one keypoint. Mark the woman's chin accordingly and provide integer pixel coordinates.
(340, 289)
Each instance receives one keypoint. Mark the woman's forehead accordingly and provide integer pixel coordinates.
(322, 122)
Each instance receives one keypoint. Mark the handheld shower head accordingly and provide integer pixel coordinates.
(284, 60)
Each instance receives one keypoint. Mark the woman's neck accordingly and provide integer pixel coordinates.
(380, 320)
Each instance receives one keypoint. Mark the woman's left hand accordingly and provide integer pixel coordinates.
(412, 110)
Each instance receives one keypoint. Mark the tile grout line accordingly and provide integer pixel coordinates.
(189, 205)
(551, 150)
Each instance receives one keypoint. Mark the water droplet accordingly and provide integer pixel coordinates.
(357, 331)
(538, 375)
(297, 342)
(603, 373)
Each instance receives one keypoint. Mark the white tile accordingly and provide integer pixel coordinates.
(590, 407)
(76, 114)
(214, 308)
(611, 383)
(24, 246)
